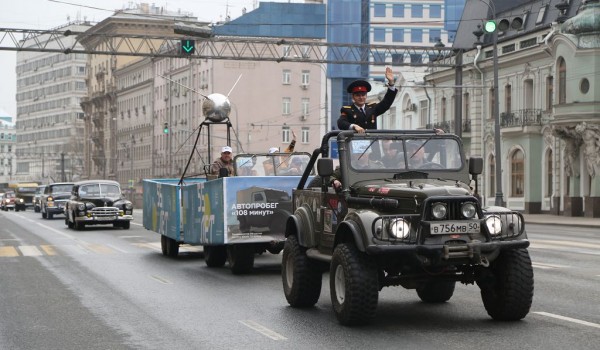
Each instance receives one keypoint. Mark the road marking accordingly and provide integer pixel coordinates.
(161, 280)
(29, 250)
(118, 249)
(99, 248)
(547, 266)
(8, 251)
(148, 245)
(49, 249)
(568, 319)
(546, 242)
(127, 237)
(59, 232)
(262, 330)
(9, 239)
(133, 223)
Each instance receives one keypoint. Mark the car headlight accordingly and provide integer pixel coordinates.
(399, 228)
(439, 210)
(468, 210)
(494, 224)
(128, 206)
(514, 224)
(81, 207)
(50, 199)
(21, 200)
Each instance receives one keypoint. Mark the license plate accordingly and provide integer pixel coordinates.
(105, 218)
(443, 228)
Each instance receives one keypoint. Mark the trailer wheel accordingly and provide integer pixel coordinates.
(215, 256)
(163, 244)
(240, 258)
(172, 247)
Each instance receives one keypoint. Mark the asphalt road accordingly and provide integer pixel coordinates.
(106, 288)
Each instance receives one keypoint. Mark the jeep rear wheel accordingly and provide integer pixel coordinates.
(240, 258)
(354, 285)
(507, 293)
(215, 256)
(436, 291)
(301, 278)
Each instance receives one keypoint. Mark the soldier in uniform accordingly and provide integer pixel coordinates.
(360, 116)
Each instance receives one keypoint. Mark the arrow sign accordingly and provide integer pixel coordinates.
(188, 46)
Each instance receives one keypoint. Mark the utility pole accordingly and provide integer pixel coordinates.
(131, 179)
(498, 158)
(63, 177)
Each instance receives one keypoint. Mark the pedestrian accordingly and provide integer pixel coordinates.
(361, 116)
(223, 162)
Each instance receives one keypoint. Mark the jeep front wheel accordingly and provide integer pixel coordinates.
(354, 285)
(507, 293)
(301, 278)
(436, 291)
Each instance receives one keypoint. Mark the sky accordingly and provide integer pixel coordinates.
(47, 14)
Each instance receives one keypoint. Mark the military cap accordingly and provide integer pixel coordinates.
(359, 86)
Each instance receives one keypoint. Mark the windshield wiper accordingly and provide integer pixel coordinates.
(366, 149)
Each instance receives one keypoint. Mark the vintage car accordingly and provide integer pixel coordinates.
(402, 209)
(24, 193)
(8, 201)
(54, 198)
(37, 197)
(97, 202)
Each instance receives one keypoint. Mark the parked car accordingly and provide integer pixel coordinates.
(54, 198)
(97, 202)
(8, 201)
(37, 197)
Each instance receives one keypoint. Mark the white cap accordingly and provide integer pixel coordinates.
(273, 149)
(226, 149)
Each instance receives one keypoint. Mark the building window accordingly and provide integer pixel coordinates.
(398, 35)
(549, 92)
(397, 58)
(379, 10)
(492, 167)
(492, 103)
(508, 98)
(549, 169)
(416, 35)
(562, 81)
(434, 35)
(305, 106)
(304, 136)
(443, 109)
(286, 50)
(417, 11)
(286, 77)
(435, 11)
(416, 58)
(528, 88)
(517, 174)
(398, 10)
(285, 134)
(379, 57)
(286, 106)
(305, 77)
(379, 35)
(424, 108)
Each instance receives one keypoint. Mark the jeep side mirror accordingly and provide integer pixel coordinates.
(325, 167)
(475, 165)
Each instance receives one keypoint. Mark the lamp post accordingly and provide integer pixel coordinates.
(326, 97)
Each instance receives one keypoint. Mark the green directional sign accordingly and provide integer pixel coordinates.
(188, 47)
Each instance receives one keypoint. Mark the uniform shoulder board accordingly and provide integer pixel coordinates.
(372, 104)
(347, 107)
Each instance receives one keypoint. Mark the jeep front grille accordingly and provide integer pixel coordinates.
(105, 211)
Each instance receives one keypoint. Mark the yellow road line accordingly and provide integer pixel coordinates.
(48, 249)
(8, 251)
(99, 248)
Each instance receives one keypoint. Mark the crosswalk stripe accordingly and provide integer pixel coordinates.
(30, 250)
(8, 251)
(48, 249)
(99, 248)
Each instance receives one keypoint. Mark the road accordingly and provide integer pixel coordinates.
(106, 288)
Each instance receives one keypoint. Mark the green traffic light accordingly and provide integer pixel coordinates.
(490, 26)
(188, 47)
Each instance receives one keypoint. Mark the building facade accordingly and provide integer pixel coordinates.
(8, 139)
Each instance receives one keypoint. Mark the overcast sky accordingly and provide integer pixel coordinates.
(46, 14)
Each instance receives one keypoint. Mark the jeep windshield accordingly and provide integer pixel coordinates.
(401, 154)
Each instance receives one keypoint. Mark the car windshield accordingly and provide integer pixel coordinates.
(99, 190)
(26, 189)
(277, 164)
(61, 188)
(404, 154)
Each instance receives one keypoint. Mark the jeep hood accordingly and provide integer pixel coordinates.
(411, 188)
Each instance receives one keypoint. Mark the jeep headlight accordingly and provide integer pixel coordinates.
(399, 228)
(494, 224)
(468, 210)
(439, 210)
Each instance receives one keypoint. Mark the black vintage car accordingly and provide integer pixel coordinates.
(97, 202)
(54, 198)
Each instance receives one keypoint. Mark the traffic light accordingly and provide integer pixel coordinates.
(188, 47)
(503, 24)
(166, 128)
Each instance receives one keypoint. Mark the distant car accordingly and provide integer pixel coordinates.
(24, 193)
(54, 198)
(98, 202)
(37, 197)
(8, 201)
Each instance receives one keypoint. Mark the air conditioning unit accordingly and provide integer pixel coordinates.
(304, 86)
(303, 117)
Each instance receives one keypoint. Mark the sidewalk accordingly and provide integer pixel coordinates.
(548, 219)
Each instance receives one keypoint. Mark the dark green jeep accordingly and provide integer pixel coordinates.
(405, 214)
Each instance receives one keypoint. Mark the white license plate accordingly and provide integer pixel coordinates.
(451, 227)
(105, 218)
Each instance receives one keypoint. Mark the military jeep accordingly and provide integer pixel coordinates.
(405, 215)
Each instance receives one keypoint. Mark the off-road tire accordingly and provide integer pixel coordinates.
(436, 291)
(353, 281)
(508, 293)
(300, 276)
(240, 258)
(215, 256)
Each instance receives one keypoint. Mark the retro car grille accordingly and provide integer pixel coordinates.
(105, 211)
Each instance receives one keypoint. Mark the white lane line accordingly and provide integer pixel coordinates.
(59, 232)
(547, 266)
(134, 223)
(568, 319)
(262, 330)
(127, 237)
(117, 248)
(29, 250)
(160, 279)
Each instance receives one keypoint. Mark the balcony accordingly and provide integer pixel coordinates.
(521, 118)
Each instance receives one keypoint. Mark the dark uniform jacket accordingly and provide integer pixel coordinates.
(368, 120)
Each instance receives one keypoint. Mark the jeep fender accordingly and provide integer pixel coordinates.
(302, 225)
(349, 231)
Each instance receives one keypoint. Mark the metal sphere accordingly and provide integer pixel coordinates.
(216, 107)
